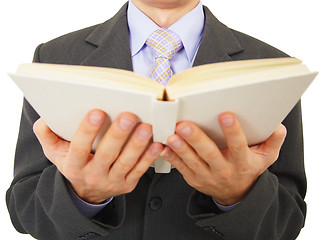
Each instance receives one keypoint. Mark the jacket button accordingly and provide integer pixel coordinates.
(155, 203)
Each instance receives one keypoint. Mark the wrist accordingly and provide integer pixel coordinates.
(226, 202)
(87, 209)
(225, 208)
(89, 196)
(235, 195)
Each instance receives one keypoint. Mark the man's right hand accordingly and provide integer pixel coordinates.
(114, 169)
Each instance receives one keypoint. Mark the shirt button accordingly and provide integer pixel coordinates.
(155, 203)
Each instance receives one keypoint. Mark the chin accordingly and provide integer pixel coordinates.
(167, 3)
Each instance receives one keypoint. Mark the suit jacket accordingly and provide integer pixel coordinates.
(162, 206)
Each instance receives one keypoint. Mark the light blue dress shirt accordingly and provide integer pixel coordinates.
(190, 30)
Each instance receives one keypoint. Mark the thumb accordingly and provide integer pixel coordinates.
(52, 144)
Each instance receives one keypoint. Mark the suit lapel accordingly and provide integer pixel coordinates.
(113, 50)
(112, 41)
(217, 43)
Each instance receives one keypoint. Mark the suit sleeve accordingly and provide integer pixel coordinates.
(38, 199)
(275, 207)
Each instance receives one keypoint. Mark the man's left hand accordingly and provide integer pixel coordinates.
(226, 175)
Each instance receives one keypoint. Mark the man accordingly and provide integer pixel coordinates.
(235, 193)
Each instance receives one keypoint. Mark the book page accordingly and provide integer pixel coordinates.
(222, 80)
(93, 75)
(205, 72)
(228, 74)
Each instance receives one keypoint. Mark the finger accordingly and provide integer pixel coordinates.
(187, 154)
(201, 143)
(271, 147)
(147, 159)
(115, 138)
(48, 139)
(235, 138)
(132, 151)
(82, 141)
(178, 163)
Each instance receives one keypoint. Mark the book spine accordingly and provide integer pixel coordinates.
(164, 119)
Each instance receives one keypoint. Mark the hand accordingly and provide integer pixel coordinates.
(226, 175)
(112, 170)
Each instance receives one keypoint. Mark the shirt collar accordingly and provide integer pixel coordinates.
(141, 26)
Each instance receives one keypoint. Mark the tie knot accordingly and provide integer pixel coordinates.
(164, 43)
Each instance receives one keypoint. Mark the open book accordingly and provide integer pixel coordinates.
(260, 92)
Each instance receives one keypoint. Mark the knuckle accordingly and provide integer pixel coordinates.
(72, 175)
(196, 165)
(88, 130)
(82, 152)
(137, 144)
(238, 147)
(211, 182)
(193, 181)
(122, 188)
(196, 184)
(123, 166)
(245, 168)
(211, 156)
(110, 187)
(128, 188)
(107, 156)
(225, 174)
(92, 181)
(138, 172)
(117, 134)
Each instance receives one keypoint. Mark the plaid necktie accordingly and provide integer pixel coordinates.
(164, 44)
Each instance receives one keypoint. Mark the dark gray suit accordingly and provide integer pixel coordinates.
(162, 206)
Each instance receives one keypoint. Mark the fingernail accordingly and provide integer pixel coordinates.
(95, 118)
(166, 153)
(227, 121)
(155, 151)
(144, 134)
(186, 131)
(177, 144)
(126, 123)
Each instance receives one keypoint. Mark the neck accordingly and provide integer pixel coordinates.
(165, 12)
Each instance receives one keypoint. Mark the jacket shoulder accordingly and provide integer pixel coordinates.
(255, 48)
(70, 48)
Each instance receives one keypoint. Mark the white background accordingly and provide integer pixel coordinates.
(290, 25)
